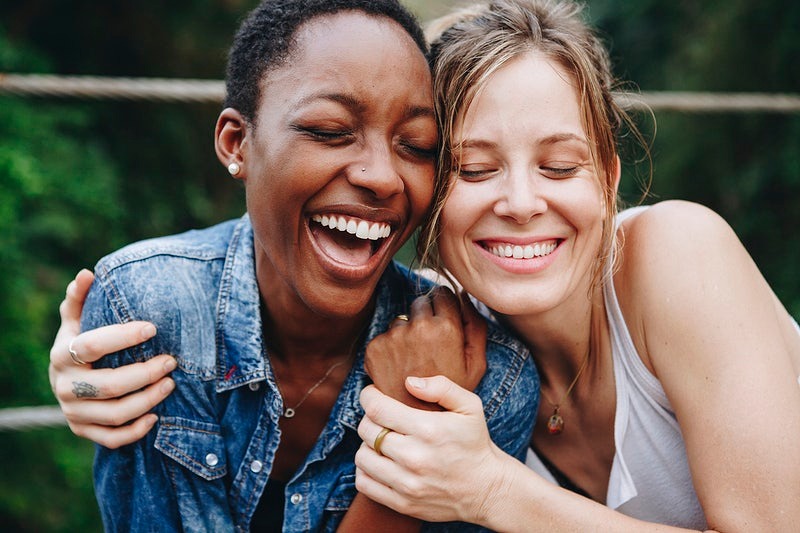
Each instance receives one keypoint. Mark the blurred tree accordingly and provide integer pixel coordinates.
(745, 166)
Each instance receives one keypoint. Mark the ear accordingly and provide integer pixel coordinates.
(230, 140)
(617, 174)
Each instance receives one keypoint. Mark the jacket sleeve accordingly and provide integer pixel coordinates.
(162, 482)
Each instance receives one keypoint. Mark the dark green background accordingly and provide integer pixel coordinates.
(79, 179)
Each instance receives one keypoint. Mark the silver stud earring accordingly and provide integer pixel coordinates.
(234, 168)
(363, 170)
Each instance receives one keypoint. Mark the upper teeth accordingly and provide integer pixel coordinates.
(522, 252)
(360, 228)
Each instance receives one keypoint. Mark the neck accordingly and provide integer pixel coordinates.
(560, 338)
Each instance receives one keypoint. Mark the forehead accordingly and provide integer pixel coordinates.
(352, 49)
(530, 94)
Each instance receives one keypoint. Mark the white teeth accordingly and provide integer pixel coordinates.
(375, 232)
(522, 252)
(360, 228)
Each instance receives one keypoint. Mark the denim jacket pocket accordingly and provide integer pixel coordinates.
(343, 493)
(198, 446)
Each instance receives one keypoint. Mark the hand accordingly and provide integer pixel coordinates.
(441, 337)
(99, 402)
(434, 466)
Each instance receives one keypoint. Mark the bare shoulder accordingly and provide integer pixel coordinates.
(674, 241)
(674, 256)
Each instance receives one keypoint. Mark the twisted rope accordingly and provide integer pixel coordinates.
(204, 91)
(210, 91)
(694, 102)
(25, 418)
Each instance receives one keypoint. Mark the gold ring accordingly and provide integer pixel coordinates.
(404, 318)
(379, 440)
(74, 355)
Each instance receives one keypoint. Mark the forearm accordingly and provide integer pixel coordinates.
(367, 515)
(521, 500)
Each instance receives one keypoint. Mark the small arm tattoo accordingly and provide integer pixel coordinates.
(82, 389)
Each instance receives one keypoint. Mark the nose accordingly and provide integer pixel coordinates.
(377, 172)
(520, 196)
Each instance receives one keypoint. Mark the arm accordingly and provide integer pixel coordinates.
(705, 322)
(437, 339)
(708, 325)
(444, 467)
(107, 406)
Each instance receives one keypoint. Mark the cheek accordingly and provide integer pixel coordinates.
(419, 188)
(461, 212)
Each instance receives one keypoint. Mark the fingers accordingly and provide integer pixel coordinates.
(441, 390)
(75, 296)
(421, 307)
(71, 307)
(117, 411)
(105, 383)
(387, 412)
(445, 304)
(93, 344)
(475, 330)
(114, 437)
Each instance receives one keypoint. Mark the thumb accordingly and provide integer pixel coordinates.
(475, 329)
(441, 390)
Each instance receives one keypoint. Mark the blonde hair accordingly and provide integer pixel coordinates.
(470, 44)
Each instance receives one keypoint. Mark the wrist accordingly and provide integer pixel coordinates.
(495, 504)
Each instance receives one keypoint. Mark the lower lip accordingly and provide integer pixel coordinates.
(533, 265)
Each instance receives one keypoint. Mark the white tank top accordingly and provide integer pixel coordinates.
(650, 477)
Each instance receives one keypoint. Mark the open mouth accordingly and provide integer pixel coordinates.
(516, 251)
(349, 240)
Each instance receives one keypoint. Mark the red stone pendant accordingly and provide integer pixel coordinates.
(555, 424)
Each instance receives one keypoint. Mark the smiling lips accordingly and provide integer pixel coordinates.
(516, 251)
(349, 240)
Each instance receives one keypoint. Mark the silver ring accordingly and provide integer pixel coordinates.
(74, 355)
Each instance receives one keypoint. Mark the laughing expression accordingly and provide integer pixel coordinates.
(522, 226)
(339, 163)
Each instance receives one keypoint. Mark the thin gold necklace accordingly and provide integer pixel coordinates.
(555, 424)
(289, 412)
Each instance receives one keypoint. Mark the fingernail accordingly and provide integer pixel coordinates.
(417, 383)
(170, 364)
(148, 331)
(167, 386)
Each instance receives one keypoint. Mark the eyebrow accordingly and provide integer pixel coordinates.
(549, 140)
(348, 101)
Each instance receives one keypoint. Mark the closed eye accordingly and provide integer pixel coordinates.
(560, 172)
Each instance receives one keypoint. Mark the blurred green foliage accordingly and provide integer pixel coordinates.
(79, 179)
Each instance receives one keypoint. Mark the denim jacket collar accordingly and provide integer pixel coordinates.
(239, 330)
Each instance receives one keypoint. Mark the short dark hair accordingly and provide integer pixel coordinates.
(266, 37)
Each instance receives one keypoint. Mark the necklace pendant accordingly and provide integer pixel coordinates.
(555, 424)
(288, 413)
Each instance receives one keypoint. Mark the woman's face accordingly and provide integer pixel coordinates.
(339, 164)
(522, 227)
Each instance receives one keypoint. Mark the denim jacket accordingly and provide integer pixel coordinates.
(205, 464)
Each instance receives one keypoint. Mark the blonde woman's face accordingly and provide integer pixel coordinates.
(522, 227)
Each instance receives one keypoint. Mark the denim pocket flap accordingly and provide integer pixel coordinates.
(343, 493)
(198, 446)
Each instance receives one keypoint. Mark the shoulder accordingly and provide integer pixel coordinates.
(203, 244)
(165, 280)
(671, 242)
